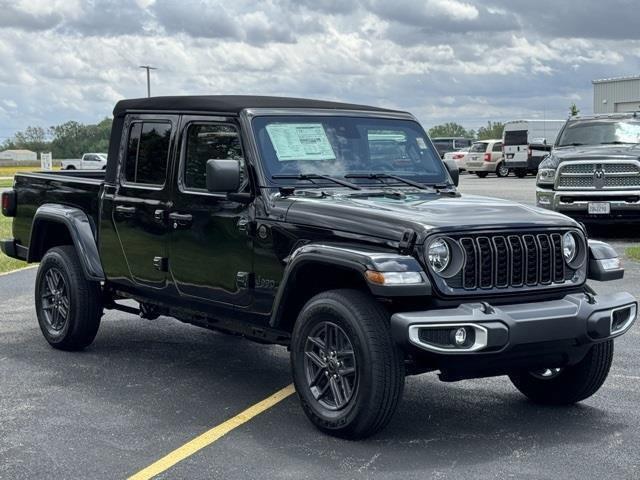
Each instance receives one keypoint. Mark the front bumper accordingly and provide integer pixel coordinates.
(578, 318)
(623, 204)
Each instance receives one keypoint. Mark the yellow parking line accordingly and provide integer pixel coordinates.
(210, 436)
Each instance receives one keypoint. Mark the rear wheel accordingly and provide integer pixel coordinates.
(68, 306)
(572, 384)
(482, 174)
(521, 172)
(348, 372)
(502, 170)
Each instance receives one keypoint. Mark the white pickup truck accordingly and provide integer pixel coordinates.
(89, 161)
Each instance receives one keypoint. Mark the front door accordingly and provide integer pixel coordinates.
(211, 251)
(141, 199)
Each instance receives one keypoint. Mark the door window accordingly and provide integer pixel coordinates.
(147, 153)
(497, 147)
(208, 142)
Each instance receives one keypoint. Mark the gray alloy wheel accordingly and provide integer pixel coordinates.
(330, 366)
(55, 301)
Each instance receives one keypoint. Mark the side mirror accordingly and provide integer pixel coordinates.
(223, 176)
(453, 170)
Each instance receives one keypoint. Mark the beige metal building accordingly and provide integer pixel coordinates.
(18, 155)
(613, 95)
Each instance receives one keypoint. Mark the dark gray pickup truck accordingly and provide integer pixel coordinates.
(332, 229)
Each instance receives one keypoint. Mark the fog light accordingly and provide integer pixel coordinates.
(461, 336)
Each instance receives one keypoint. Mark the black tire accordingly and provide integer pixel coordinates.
(69, 319)
(520, 172)
(502, 170)
(70, 167)
(482, 174)
(379, 366)
(572, 384)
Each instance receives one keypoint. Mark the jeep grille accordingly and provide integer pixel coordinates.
(511, 261)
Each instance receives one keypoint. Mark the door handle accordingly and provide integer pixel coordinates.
(180, 219)
(125, 211)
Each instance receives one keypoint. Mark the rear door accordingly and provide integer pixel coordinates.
(141, 200)
(516, 147)
(211, 251)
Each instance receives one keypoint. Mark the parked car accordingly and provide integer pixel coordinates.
(221, 212)
(593, 171)
(527, 142)
(450, 144)
(459, 157)
(486, 157)
(89, 161)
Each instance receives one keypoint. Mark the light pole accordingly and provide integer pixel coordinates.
(148, 68)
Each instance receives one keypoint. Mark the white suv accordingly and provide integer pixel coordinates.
(486, 157)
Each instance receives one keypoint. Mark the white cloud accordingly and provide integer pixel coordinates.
(444, 60)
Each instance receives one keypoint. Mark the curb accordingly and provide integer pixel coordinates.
(3, 274)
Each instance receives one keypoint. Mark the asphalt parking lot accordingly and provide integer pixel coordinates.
(144, 388)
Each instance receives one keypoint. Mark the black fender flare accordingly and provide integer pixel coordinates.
(81, 231)
(355, 259)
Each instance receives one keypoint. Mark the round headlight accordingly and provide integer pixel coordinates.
(439, 255)
(569, 247)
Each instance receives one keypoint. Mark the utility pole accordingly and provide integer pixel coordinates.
(148, 68)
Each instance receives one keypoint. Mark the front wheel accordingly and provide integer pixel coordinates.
(521, 172)
(348, 372)
(568, 385)
(502, 170)
(68, 305)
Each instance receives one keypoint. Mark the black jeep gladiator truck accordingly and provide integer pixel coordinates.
(332, 229)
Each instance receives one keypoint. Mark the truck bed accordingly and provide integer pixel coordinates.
(77, 188)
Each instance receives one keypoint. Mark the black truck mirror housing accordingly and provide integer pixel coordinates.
(454, 171)
(223, 175)
(604, 263)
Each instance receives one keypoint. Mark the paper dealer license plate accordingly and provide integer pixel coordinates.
(599, 208)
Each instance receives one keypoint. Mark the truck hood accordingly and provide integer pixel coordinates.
(592, 152)
(374, 214)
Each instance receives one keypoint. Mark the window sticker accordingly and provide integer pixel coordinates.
(421, 143)
(300, 141)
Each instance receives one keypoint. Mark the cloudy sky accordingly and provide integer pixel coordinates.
(445, 60)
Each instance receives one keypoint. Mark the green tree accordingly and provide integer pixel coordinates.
(449, 129)
(72, 139)
(491, 131)
(574, 110)
(31, 138)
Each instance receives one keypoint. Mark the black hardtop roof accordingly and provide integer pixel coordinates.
(229, 104)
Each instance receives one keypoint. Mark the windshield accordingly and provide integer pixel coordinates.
(339, 146)
(478, 147)
(600, 131)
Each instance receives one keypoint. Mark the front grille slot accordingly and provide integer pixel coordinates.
(506, 261)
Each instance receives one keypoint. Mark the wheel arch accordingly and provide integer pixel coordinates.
(55, 225)
(312, 269)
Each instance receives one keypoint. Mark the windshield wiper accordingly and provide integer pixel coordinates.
(380, 176)
(572, 144)
(616, 142)
(315, 176)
